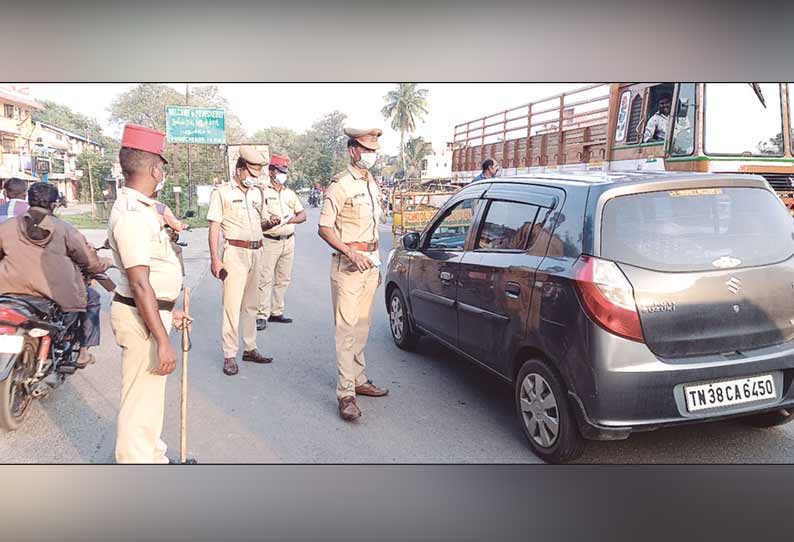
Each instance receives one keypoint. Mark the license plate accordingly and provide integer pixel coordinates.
(730, 392)
(11, 344)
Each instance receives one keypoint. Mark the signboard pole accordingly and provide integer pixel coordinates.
(189, 185)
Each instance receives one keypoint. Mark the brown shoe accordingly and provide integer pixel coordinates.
(348, 409)
(255, 357)
(371, 390)
(230, 367)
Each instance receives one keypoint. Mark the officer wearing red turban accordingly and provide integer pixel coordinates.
(142, 312)
(285, 211)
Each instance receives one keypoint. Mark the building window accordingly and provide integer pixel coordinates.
(8, 145)
(9, 111)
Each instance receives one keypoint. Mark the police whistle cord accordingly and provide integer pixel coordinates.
(185, 358)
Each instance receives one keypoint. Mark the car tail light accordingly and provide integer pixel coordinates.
(10, 316)
(608, 297)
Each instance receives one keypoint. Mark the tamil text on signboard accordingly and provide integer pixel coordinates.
(195, 125)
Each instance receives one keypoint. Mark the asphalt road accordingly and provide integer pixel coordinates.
(441, 409)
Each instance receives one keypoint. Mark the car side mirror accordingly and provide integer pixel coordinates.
(410, 241)
(190, 214)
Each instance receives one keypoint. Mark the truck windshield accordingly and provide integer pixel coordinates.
(737, 123)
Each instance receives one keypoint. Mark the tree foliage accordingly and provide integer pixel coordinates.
(416, 150)
(405, 105)
(316, 154)
(145, 105)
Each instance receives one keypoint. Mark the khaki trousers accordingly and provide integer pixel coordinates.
(276, 275)
(140, 419)
(240, 298)
(352, 294)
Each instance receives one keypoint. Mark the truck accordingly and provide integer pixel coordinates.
(711, 127)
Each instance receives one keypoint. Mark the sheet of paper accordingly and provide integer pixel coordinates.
(285, 219)
(373, 256)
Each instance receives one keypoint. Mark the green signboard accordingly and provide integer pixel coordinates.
(195, 125)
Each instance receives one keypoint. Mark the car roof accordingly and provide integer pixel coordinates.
(590, 178)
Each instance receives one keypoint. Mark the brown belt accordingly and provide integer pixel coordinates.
(365, 247)
(251, 245)
(161, 304)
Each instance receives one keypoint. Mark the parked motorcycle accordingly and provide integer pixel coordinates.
(39, 346)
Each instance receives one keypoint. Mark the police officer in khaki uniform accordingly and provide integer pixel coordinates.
(236, 209)
(285, 211)
(349, 224)
(142, 312)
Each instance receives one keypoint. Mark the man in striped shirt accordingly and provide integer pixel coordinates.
(15, 204)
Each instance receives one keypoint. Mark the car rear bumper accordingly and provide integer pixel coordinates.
(634, 390)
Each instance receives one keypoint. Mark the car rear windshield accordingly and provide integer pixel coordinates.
(697, 229)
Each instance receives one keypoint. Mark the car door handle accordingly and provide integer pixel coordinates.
(446, 276)
(513, 289)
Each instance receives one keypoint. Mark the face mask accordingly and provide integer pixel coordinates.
(367, 160)
(281, 178)
(160, 185)
(249, 182)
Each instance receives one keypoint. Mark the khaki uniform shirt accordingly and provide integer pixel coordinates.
(239, 213)
(137, 237)
(285, 202)
(352, 206)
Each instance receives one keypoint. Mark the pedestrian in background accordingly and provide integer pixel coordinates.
(489, 170)
(15, 203)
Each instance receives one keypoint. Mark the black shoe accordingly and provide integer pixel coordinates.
(261, 324)
(280, 319)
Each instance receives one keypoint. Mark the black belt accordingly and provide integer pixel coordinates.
(161, 304)
(278, 237)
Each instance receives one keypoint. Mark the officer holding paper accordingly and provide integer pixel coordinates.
(285, 210)
(349, 224)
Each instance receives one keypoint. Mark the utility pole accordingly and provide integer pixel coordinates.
(189, 181)
(90, 179)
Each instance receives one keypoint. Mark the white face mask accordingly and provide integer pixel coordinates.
(281, 178)
(249, 182)
(367, 160)
(160, 185)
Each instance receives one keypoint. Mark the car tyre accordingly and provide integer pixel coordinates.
(770, 419)
(404, 337)
(545, 414)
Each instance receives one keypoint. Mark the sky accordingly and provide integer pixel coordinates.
(298, 105)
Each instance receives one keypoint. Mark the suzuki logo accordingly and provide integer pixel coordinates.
(734, 285)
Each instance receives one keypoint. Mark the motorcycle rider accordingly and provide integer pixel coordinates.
(43, 256)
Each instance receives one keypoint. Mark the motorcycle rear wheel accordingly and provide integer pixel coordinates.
(15, 400)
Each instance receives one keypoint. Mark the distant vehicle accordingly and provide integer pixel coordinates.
(712, 127)
(613, 303)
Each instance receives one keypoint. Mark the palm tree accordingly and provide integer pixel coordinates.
(416, 149)
(404, 106)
